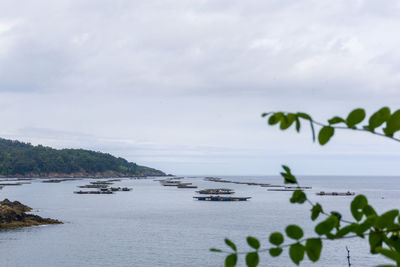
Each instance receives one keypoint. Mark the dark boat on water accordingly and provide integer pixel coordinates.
(94, 192)
(348, 193)
(93, 186)
(187, 186)
(220, 198)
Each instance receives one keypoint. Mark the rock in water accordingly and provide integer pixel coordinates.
(13, 215)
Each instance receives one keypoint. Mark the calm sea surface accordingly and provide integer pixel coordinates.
(154, 225)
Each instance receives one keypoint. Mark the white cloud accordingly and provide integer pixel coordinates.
(186, 81)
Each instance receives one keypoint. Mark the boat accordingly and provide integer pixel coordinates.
(101, 182)
(216, 191)
(298, 187)
(220, 198)
(284, 189)
(11, 184)
(126, 189)
(170, 183)
(187, 186)
(93, 186)
(348, 193)
(272, 185)
(93, 192)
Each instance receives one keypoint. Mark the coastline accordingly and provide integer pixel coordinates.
(107, 174)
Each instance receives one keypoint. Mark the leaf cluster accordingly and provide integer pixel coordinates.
(382, 231)
(383, 122)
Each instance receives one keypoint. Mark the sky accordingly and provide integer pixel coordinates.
(180, 85)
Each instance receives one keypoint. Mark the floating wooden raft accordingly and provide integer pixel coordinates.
(55, 180)
(272, 185)
(284, 189)
(216, 191)
(219, 198)
(93, 192)
(187, 186)
(94, 186)
(298, 187)
(101, 182)
(348, 193)
(11, 184)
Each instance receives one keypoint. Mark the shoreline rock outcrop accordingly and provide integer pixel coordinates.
(13, 215)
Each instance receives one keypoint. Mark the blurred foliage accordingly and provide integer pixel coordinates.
(380, 231)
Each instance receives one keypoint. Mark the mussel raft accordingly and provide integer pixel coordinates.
(219, 198)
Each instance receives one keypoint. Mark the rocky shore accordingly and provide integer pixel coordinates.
(13, 215)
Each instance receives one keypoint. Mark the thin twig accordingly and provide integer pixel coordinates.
(354, 129)
(348, 256)
(322, 212)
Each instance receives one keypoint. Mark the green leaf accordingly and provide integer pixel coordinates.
(367, 224)
(325, 227)
(387, 219)
(388, 253)
(276, 238)
(393, 124)
(304, 116)
(298, 125)
(287, 169)
(230, 244)
(265, 114)
(357, 206)
(378, 118)
(355, 117)
(274, 119)
(369, 210)
(275, 252)
(215, 250)
(298, 196)
(231, 260)
(313, 248)
(338, 216)
(375, 240)
(394, 241)
(307, 117)
(294, 232)
(336, 120)
(288, 176)
(386, 265)
(289, 179)
(296, 253)
(325, 134)
(287, 121)
(252, 259)
(253, 242)
(347, 229)
(315, 211)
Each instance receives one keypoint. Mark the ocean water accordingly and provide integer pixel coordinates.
(154, 225)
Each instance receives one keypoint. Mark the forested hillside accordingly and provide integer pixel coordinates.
(22, 159)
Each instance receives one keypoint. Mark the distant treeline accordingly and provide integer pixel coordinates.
(17, 158)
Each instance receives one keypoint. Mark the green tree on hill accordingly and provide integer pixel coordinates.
(17, 158)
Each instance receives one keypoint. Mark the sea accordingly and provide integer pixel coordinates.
(155, 225)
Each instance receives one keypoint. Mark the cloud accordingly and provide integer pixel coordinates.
(187, 81)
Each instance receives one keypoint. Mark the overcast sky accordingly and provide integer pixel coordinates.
(180, 85)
